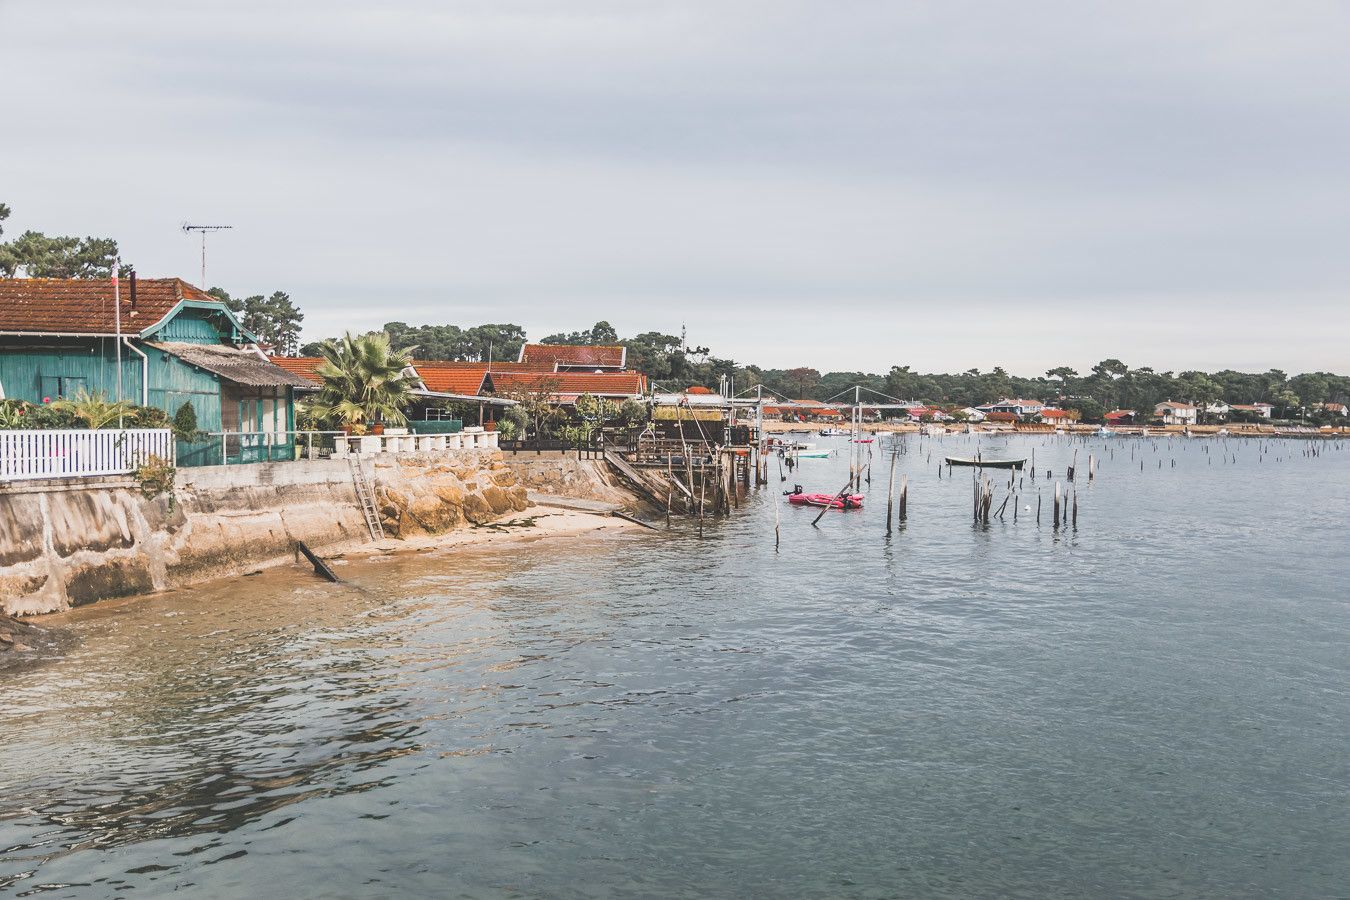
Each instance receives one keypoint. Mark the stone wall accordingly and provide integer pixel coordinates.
(563, 475)
(66, 543)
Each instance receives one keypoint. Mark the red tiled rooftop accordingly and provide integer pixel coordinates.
(609, 384)
(603, 356)
(85, 305)
(304, 366)
(452, 379)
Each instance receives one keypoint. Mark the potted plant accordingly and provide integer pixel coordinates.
(377, 428)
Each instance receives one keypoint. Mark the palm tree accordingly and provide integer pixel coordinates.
(364, 380)
(96, 410)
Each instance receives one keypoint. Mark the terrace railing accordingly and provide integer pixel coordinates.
(222, 448)
(70, 453)
(585, 448)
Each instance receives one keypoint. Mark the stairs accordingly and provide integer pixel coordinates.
(365, 496)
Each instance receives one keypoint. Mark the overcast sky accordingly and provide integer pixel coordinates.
(848, 185)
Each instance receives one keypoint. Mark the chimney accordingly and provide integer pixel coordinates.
(132, 279)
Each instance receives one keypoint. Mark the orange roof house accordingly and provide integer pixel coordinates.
(575, 357)
(568, 386)
(84, 306)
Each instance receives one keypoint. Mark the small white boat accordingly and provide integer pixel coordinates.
(834, 432)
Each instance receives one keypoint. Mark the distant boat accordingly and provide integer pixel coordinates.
(833, 432)
(1106, 432)
(986, 463)
(813, 454)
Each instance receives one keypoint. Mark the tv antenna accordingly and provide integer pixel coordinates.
(188, 229)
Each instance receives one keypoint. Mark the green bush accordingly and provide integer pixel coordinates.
(147, 417)
(185, 422)
(48, 416)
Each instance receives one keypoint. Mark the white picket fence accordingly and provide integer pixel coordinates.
(70, 454)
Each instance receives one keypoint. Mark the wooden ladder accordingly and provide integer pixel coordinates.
(365, 495)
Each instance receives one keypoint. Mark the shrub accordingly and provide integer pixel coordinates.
(13, 414)
(185, 422)
(148, 417)
(156, 476)
(50, 416)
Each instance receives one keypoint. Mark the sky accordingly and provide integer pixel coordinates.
(848, 184)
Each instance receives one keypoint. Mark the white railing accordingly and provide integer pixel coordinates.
(468, 439)
(64, 453)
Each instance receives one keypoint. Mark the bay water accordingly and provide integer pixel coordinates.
(1154, 704)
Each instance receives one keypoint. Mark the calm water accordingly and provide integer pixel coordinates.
(1156, 705)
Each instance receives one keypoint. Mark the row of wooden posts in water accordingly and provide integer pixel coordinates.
(714, 487)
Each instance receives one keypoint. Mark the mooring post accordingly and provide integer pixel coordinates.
(890, 495)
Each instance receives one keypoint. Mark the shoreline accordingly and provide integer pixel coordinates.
(1125, 431)
(48, 633)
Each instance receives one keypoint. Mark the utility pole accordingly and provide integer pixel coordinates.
(188, 229)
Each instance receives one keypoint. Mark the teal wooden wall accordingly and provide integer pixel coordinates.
(35, 373)
(173, 381)
(190, 326)
(54, 368)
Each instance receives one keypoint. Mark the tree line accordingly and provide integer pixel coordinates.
(1110, 384)
(667, 360)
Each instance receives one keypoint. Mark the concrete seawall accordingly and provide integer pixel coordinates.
(564, 475)
(70, 542)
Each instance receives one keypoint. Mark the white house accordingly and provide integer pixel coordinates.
(973, 414)
(1016, 407)
(1218, 408)
(1262, 410)
(1176, 413)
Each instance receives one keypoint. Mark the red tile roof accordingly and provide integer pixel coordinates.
(1054, 414)
(1119, 414)
(604, 384)
(1001, 417)
(698, 389)
(304, 366)
(448, 379)
(601, 356)
(85, 305)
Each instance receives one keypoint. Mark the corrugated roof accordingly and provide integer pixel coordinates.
(602, 355)
(85, 305)
(240, 366)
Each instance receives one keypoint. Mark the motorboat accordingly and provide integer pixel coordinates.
(834, 432)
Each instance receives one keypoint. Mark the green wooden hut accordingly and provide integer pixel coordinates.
(173, 342)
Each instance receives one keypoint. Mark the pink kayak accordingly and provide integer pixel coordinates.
(851, 501)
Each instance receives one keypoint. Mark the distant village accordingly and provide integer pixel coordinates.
(163, 344)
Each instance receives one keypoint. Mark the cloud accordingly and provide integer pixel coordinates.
(941, 185)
